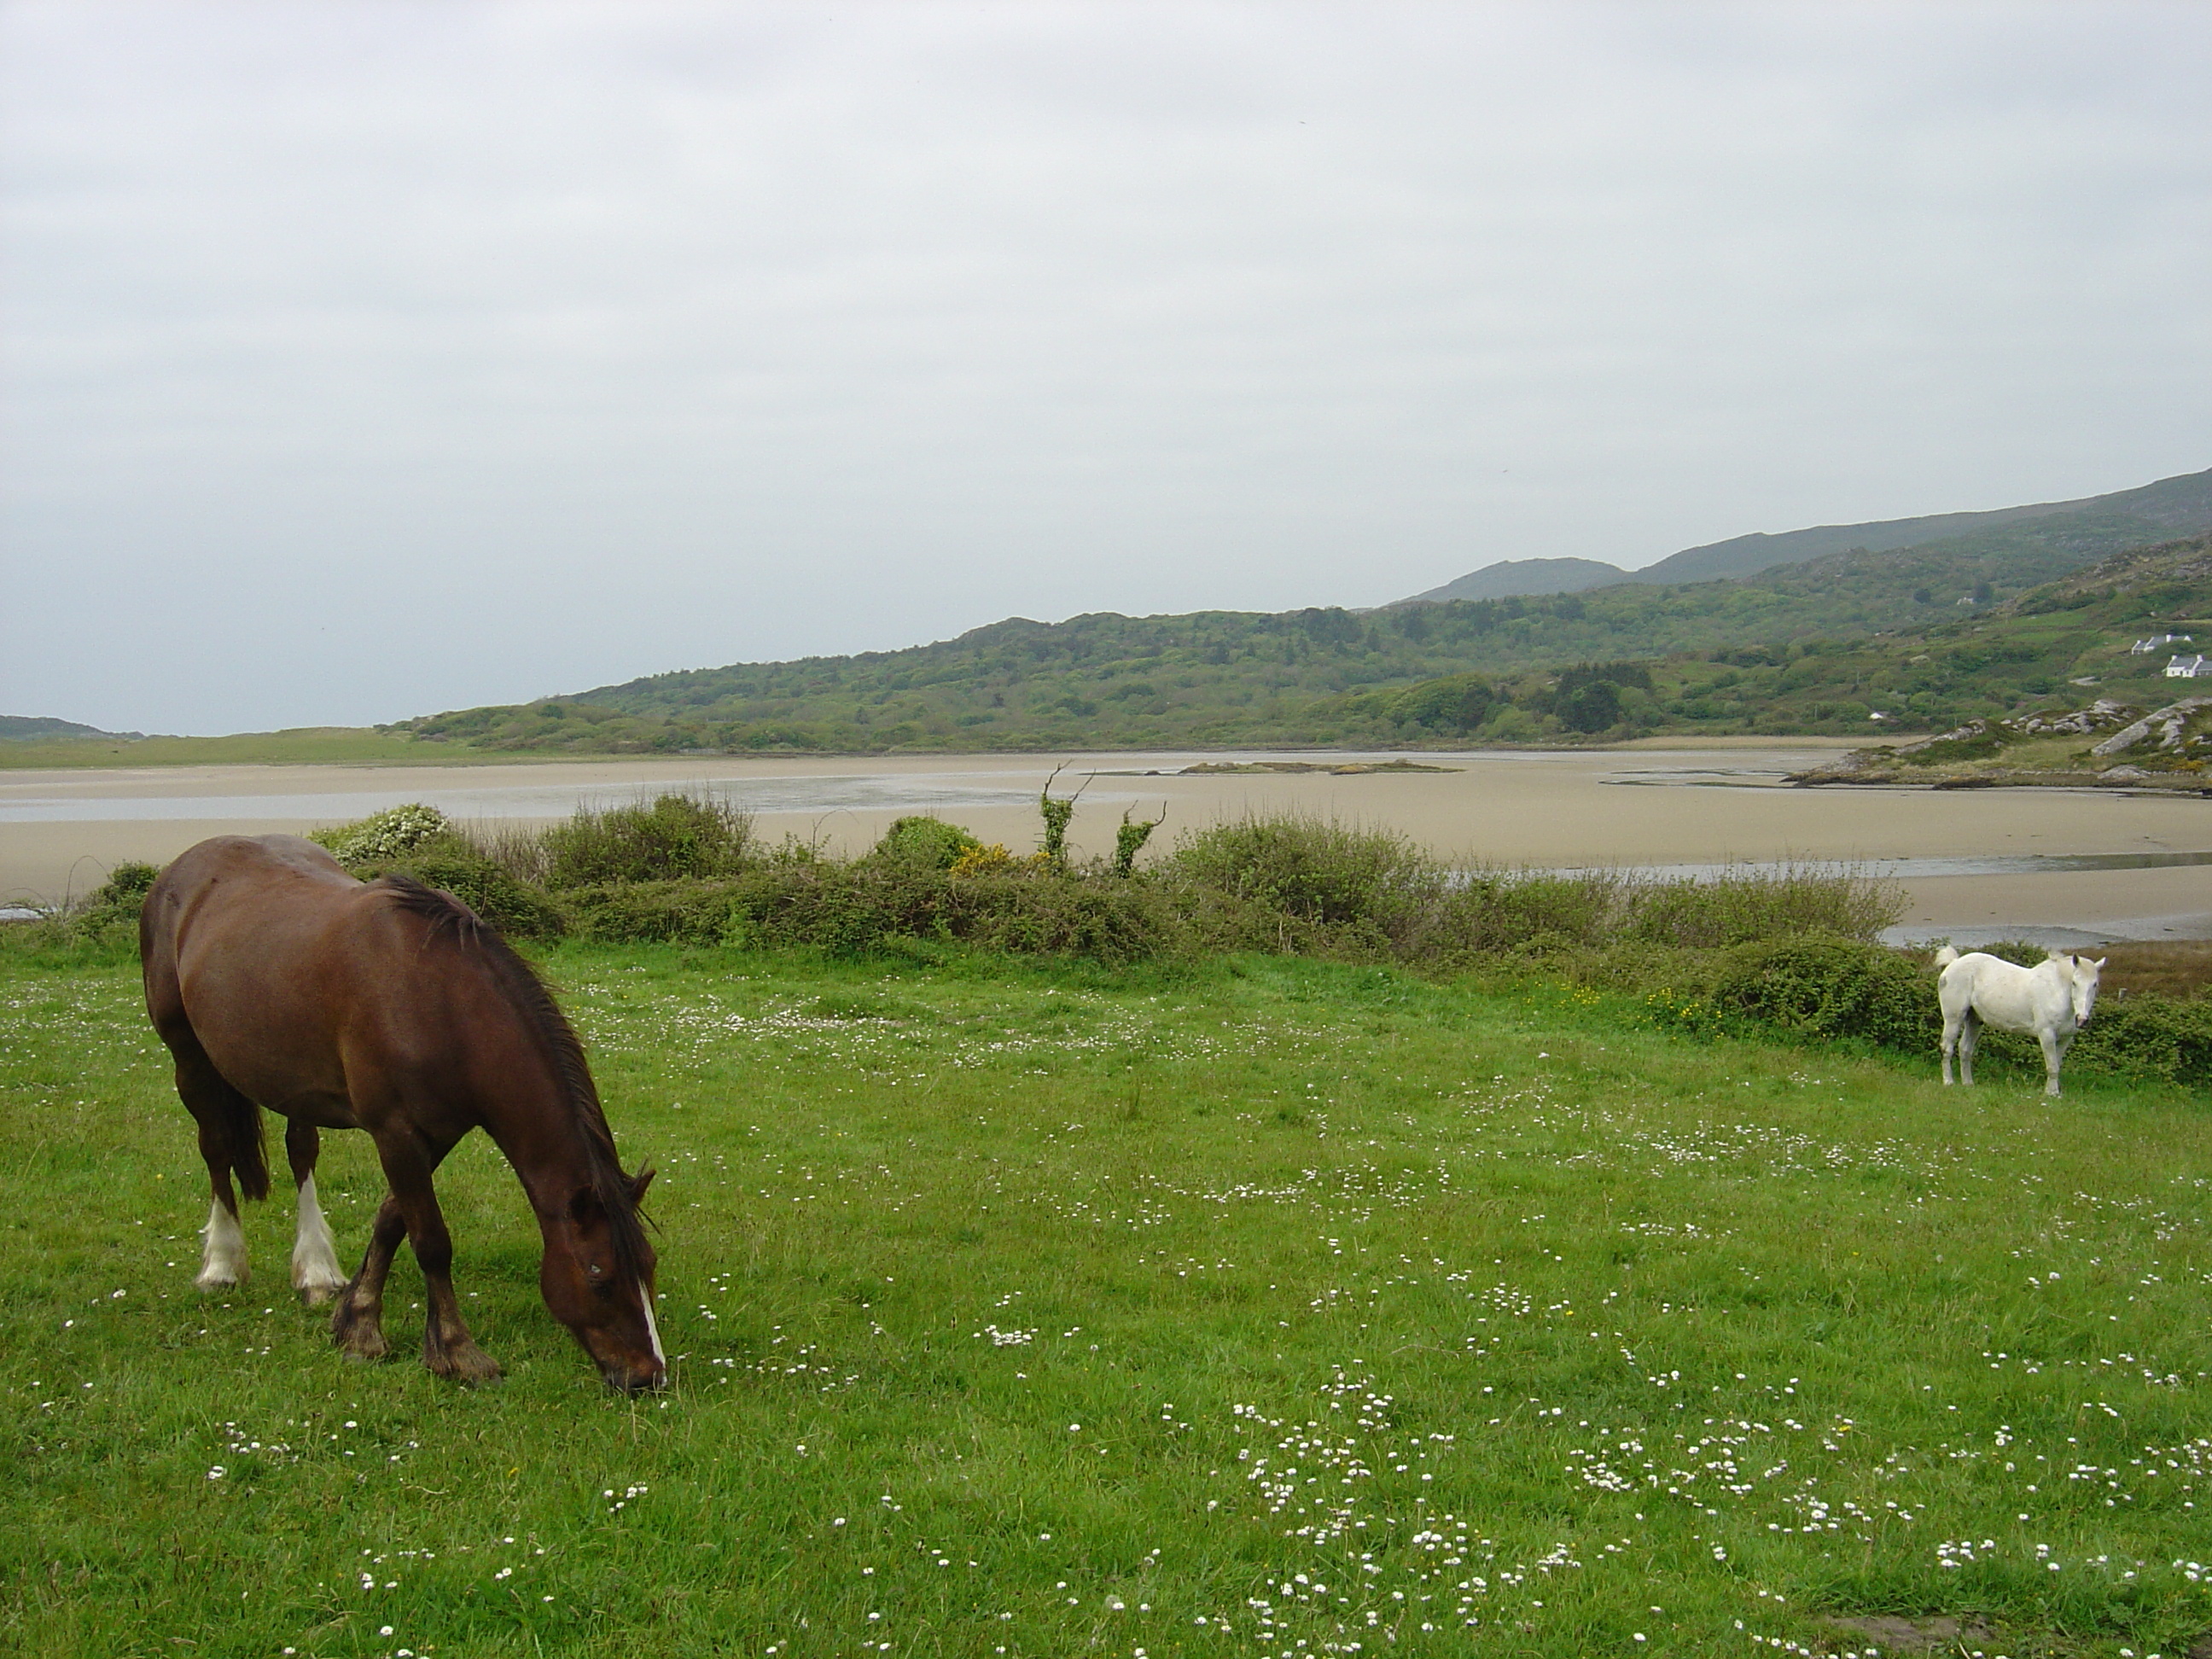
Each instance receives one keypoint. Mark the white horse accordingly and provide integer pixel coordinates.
(2053, 999)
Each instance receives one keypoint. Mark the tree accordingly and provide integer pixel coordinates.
(1592, 707)
(1457, 702)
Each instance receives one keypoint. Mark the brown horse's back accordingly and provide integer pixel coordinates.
(265, 955)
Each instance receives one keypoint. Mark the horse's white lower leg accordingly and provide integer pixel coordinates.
(222, 1259)
(315, 1272)
(1950, 1044)
(2052, 1054)
(1970, 1034)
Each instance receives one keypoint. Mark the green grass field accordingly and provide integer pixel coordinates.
(1272, 1309)
(307, 745)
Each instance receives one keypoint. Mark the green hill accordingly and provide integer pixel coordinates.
(2054, 686)
(2171, 506)
(32, 728)
(1511, 578)
(1725, 655)
(2061, 645)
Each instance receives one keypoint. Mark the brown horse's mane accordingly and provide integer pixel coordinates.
(526, 993)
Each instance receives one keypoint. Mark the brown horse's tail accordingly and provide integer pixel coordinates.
(230, 1128)
(245, 1142)
(232, 1132)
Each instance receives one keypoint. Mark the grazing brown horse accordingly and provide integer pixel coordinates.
(278, 980)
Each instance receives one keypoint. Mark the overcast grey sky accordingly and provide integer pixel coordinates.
(369, 360)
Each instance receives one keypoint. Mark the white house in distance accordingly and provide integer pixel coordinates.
(2158, 642)
(2190, 668)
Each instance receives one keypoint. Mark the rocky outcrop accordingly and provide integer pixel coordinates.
(2081, 722)
(2167, 725)
(1984, 740)
(1967, 734)
(2100, 716)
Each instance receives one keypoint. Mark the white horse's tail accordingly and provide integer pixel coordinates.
(1945, 958)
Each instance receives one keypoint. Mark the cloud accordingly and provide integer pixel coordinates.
(371, 359)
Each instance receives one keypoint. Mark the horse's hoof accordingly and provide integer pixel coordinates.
(465, 1362)
(212, 1282)
(364, 1347)
(357, 1336)
(316, 1295)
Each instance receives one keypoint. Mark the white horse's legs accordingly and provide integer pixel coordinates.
(1950, 1045)
(315, 1272)
(1970, 1033)
(223, 1261)
(2053, 1052)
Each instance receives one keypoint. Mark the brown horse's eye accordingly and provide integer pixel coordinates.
(597, 1270)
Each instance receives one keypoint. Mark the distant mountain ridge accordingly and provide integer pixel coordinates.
(1523, 578)
(31, 728)
(2181, 504)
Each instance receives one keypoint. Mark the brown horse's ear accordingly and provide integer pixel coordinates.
(643, 1179)
(584, 1206)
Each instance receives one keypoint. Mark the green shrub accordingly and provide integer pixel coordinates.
(676, 837)
(391, 834)
(2148, 1035)
(1744, 906)
(115, 903)
(1530, 912)
(1455, 703)
(870, 905)
(1827, 987)
(1057, 811)
(1114, 921)
(1592, 707)
(1317, 870)
(850, 909)
(645, 912)
(1130, 836)
(1493, 913)
(487, 887)
(924, 843)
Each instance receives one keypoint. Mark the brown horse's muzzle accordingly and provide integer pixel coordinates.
(631, 1379)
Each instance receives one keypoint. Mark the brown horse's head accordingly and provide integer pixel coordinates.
(597, 1277)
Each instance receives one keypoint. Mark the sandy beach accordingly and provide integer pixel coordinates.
(1635, 806)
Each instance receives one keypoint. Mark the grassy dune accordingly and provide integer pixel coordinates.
(1274, 1308)
(306, 745)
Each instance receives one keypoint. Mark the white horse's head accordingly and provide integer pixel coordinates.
(2083, 980)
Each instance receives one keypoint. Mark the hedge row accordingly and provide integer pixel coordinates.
(1789, 952)
(1830, 989)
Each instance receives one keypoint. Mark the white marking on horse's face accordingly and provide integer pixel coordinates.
(652, 1326)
